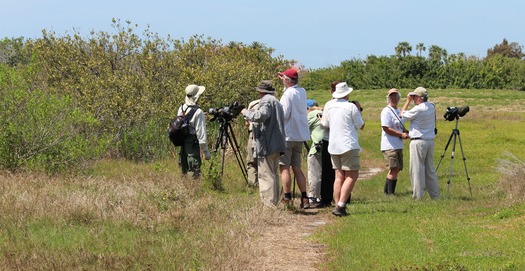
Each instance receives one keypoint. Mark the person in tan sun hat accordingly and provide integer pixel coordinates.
(422, 119)
(190, 152)
(392, 135)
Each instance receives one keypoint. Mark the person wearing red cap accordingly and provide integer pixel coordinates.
(392, 137)
(297, 132)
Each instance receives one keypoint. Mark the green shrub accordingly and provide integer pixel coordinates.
(44, 132)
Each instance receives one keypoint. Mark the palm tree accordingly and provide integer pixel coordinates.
(403, 48)
(420, 47)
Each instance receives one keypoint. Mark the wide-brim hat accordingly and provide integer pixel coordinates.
(193, 92)
(341, 90)
(419, 91)
(265, 86)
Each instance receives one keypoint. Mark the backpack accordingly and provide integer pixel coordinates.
(179, 127)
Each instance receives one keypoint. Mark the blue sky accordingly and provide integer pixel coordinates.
(315, 33)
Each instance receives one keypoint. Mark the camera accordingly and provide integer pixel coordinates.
(455, 112)
(226, 112)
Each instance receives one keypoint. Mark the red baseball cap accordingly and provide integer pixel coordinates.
(290, 73)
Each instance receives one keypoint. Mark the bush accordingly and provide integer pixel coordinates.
(43, 131)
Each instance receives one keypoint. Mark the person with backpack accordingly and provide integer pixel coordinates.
(195, 140)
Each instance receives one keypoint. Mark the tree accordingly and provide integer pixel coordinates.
(420, 47)
(436, 53)
(513, 50)
(403, 49)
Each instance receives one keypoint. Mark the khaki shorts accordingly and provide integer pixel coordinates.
(292, 156)
(394, 158)
(346, 161)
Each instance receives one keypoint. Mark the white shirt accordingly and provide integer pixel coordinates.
(293, 101)
(344, 119)
(422, 119)
(390, 118)
(198, 122)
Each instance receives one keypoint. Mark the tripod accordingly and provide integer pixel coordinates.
(456, 135)
(224, 137)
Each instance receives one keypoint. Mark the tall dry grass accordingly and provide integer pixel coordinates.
(512, 179)
(129, 216)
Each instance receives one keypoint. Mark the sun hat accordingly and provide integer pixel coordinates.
(193, 92)
(265, 86)
(392, 91)
(341, 90)
(419, 91)
(290, 73)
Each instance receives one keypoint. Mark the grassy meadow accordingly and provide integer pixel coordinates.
(119, 215)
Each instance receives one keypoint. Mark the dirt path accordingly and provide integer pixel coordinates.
(286, 246)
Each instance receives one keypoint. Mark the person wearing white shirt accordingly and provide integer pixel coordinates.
(392, 135)
(297, 132)
(422, 119)
(344, 120)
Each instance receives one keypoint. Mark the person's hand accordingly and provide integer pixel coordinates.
(207, 155)
(409, 98)
(404, 136)
(204, 149)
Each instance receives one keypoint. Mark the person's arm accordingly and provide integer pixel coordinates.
(405, 106)
(393, 132)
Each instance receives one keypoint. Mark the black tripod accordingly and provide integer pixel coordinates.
(224, 137)
(455, 134)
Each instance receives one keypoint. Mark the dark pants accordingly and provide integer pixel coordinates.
(190, 156)
(327, 177)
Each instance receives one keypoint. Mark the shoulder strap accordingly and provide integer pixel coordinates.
(394, 112)
(193, 109)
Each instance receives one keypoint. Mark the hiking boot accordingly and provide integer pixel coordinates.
(339, 211)
(305, 203)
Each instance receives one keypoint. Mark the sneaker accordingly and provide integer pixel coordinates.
(339, 211)
(305, 203)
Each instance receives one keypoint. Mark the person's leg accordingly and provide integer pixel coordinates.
(269, 179)
(194, 158)
(284, 167)
(338, 184)
(350, 179)
(430, 173)
(314, 175)
(327, 176)
(251, 162)
(417, 168)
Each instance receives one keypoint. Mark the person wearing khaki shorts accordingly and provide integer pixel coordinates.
(392, 135)
(344, 120)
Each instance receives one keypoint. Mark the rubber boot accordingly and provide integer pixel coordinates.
(385, 189)
(394, 183)
(391, 188)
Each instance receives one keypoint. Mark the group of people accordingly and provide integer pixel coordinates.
(279, 129)
(278, 132)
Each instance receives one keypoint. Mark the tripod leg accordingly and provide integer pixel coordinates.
(451, 161)
(464, 163)
(446, 147)
(235, 147)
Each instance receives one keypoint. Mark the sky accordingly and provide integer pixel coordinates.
(316, 34)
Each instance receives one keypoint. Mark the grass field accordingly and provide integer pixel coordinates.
(119, 215)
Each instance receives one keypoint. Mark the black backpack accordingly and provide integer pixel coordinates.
(179, 127)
